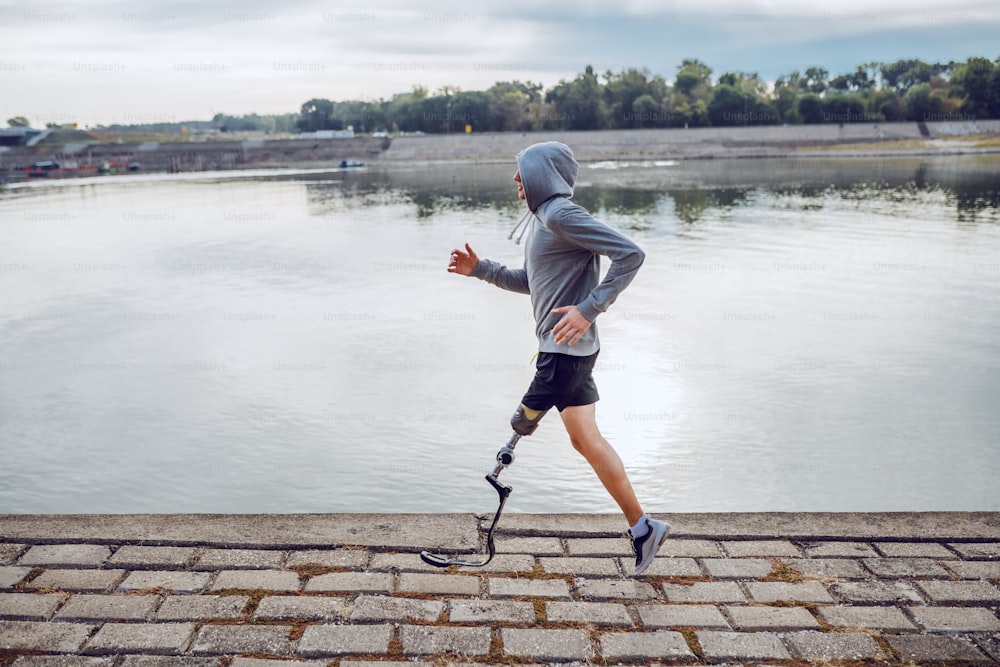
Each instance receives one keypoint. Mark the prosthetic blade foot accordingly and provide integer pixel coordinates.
(504, 458)
(441, 561)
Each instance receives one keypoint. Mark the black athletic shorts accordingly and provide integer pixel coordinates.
(562, 380)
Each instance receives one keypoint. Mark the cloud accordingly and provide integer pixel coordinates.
(94, 62)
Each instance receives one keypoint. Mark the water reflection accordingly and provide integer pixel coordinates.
(691, 190)
(691, 205)
(432, 190)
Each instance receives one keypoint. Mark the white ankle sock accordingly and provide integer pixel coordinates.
(640, 528)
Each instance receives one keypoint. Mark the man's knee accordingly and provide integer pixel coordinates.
(585, 441)
(584, 435)
(525, 420)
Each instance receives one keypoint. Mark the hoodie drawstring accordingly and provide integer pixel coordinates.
(517, 226)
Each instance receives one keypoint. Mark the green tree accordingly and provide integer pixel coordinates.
(404, 111)
(683, 111)
(862, 79)
(513, 105)
(791, 80)
(977, 83)
(18, 121)
(816, 80)
(646, 112)
(579, 103)
(844, 109)
(434, 114)
(872, 75)
(811, 108)
(892, 75)
(471, 108)
(317, 114)
(285, 123)
(742, 99)
(246, 123)
(857, 81)
(730, 106)
(685, 82)
(621, 90)
(701, 72)
(887, 105)
(921, 102)
(749, 83)
(361, 116)
(841, 82)
(904, 74)
(511, 111)
(687, 103)
(785, 100)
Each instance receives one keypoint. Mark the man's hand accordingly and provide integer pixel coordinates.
(572, 325)
(463, 262)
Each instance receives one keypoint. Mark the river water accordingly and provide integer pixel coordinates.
(804, 336)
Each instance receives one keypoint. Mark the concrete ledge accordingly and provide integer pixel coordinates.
(279, 531)
(460, 532)
(910, 526)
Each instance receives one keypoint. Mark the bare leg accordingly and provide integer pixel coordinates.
(581, 425)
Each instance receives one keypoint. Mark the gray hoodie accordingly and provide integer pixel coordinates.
(562, 249)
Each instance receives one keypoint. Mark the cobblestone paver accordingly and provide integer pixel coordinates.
(543, 600)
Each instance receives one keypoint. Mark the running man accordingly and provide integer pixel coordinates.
(562, 248)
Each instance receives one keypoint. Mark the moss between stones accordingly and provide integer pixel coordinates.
(783, 572)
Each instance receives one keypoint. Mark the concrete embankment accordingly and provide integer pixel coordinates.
(661, 144)
(288, 590)
(200, 156)
(700, 143)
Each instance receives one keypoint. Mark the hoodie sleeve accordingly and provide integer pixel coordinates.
(576, 226)
(515, 280)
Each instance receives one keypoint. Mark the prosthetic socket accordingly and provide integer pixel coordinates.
(525, 420)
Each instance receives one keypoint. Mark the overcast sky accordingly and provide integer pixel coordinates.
(116, 61)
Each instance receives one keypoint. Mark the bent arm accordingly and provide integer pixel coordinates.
(585, 231)
(514, 280)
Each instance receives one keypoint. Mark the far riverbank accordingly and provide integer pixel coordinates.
(850, 140)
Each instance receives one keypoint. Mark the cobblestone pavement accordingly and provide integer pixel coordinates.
(543, 599)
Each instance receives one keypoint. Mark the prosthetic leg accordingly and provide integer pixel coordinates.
(524, 422)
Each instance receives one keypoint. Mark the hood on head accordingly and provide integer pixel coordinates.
(547, 170)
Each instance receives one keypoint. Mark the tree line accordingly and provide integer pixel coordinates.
(905, 90)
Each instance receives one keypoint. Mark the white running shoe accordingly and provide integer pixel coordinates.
(645, 547)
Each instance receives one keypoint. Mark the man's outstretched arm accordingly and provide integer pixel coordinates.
(467, 263)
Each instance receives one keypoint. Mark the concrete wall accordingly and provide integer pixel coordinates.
(202, 156)
(671, 143)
